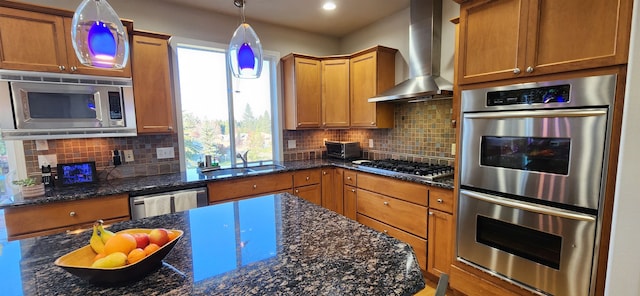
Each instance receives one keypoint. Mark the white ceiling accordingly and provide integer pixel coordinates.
(307, 15)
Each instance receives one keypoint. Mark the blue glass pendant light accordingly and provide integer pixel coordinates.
(244, 56)
(98, 36)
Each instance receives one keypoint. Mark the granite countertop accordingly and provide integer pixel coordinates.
(271, 245)
(169, 182)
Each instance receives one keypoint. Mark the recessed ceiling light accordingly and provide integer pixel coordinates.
(329, 6)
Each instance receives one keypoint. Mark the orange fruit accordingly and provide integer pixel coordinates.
(136, 255)
(98, 256)
(151, 248)
(171, 234)
(121, 242)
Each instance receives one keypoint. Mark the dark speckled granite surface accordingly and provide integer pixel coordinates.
(178, 181)
(271, 245)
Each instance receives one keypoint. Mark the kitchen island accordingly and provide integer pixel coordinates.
(270, 245)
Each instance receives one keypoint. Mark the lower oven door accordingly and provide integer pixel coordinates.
(541, 248)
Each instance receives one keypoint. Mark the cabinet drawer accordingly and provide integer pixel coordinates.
(408, 191)
(28, 219)
(250, 186)
(418, 244)
(441, 199)
(306, 177)
(350, 178)
(398, 213)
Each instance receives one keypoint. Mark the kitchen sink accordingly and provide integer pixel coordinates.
(266, 167)
(229, 171)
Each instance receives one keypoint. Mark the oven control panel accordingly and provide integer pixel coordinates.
(537, 95)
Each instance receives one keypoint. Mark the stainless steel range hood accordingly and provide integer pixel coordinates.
(425, 82)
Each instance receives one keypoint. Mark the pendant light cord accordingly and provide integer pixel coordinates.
(240, 4)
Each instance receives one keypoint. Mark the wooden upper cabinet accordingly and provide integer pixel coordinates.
(37, 41)
(302, 91)
(505, 39)
(152, 83)
(372, 71)
(335, 93)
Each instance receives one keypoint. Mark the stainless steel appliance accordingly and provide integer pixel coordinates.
(423, 170)
(532, 171)
(45, 105)
(137, 206)
(343, 150)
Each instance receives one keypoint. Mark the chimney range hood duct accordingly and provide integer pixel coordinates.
(425, 82)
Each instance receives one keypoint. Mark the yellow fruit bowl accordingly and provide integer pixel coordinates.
(79, 262)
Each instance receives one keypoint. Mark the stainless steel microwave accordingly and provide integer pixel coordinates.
(66, 107)
(343, 150)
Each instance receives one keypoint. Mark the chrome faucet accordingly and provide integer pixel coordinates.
(243, 156)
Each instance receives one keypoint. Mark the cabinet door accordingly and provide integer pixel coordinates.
(363, 87)
(350, 193)
(335, 93)
(576, 34)
(303, 98)
(74, 66)
(312, 193)
(332, 189)
(152, 85)
(492, 40)
(32, 41)
(440, 244)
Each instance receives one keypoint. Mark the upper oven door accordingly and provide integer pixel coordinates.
(548, 154)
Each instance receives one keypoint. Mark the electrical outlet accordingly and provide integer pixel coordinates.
(128, 155)
(324, 141)
(291, 144)
(453, 149)
(48, 159)
(165, 152)
(42, 145)
(370, 143)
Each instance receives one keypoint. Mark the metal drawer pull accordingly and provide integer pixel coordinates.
(353, 190)
(307, 178)
(297, 191)
(72, 213)
(385, 231)
(439, 200)
(348, 178)
(255, 186)
(386, 203)
(324, 173)
(430, 213)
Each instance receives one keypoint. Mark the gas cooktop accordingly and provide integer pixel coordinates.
(424, 170)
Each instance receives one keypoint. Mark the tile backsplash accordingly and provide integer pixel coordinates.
(422, 132)
(100, 150)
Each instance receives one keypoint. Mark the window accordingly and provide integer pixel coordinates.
(220, 115)
(12, 167)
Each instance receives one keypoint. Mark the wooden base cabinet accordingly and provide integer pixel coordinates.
(506, 39)
(306, 184)
(34, 38)
(155, 113)
(37, 220)
(332, 189)
(440, 242)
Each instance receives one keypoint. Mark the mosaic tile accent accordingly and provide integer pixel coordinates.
(422, 132)
(100, 150)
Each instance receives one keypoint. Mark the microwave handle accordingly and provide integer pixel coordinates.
(528, 206)
(537, 114)
(99, 107)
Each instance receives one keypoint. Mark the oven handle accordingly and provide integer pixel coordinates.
(538, 114)
(529, 207)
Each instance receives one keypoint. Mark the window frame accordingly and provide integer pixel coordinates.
(275, 97)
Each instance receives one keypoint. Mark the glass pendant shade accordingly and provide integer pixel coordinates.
(98, 36)
(244, 56)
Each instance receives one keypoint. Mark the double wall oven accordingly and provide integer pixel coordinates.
(532, 171)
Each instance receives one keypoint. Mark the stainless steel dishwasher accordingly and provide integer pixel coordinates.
(136, 203)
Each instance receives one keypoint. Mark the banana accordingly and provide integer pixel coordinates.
(96, 241)
(104, 234)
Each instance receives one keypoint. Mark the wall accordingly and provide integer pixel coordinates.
(99, 150)
(205, 25)
(623, 270)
